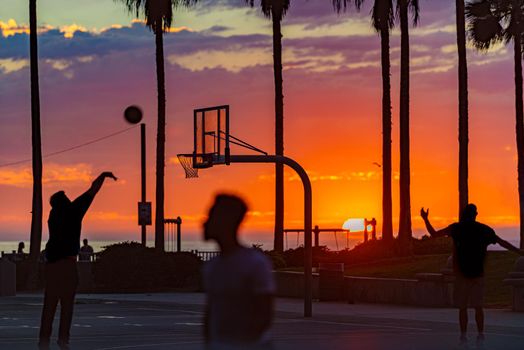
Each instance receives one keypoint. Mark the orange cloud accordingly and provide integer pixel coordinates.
(53, 173)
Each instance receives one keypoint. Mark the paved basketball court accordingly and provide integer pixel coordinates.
(174, 321)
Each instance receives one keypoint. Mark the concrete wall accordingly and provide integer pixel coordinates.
(86, 279)
(291, 284)
(432, 290)
(418, 292)
(7, 278)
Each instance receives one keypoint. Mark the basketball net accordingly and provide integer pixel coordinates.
(186, 160)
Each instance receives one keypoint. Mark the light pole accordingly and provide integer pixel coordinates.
(143, 176)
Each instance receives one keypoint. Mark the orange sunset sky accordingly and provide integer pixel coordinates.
(95, 60)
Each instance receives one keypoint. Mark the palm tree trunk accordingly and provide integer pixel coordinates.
(405, 178)
(279, 130)
(519, 112)
(160, 139)
(463, 105)
(36, 214)
(387, 216)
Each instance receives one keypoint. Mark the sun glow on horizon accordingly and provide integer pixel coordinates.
(354, 225)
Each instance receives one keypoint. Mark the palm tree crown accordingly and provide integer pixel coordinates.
(382, 14)
(157, 12)
(269, 7)
(412, 7)
(494, 21)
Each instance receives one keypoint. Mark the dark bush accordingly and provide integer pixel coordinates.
(372, 250)
(277, 259)
(130, 267)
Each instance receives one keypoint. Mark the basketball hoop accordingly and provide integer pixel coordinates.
(186, 160)
(191, 162)
(211, 140)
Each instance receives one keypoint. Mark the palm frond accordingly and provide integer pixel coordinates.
(383, 15)
(272, 7)
(343, 5)
(412, 6)
(414, 9)
(484, 24)
(158, 14)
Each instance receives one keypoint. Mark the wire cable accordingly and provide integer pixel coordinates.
(70, 148)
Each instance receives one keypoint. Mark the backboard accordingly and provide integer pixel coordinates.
(211, 136)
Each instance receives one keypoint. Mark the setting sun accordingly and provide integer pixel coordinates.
(354, 225)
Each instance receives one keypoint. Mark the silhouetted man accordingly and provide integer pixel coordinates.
(65, 225)
(470, 241)
(239, 284)
(86, 252)
(21, 247)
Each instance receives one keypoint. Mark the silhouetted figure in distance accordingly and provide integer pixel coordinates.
(61, 276)
(470, 241)
(239, 284)
(86, 252)
(21, 247)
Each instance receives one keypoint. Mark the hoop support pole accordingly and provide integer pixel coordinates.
(308, 218)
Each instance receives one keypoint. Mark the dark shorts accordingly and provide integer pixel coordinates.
(468, 292)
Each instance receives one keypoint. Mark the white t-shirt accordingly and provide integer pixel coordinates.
(231, 282)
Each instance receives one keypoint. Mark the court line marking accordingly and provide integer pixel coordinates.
(366, 325)
(170, 310)
(148, 345)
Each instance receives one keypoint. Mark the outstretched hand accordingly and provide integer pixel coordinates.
(109, 174)
(424, 214)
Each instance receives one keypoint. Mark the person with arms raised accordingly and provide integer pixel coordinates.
(62, 248)
(470, 242)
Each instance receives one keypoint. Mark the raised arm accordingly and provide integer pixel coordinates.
(509, 246)
(99, 181)
(433, 233)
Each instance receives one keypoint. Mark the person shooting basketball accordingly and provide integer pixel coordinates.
(65, 226)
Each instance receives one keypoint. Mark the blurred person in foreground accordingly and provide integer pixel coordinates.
(470, 242)
(62, 248)
(239, 284)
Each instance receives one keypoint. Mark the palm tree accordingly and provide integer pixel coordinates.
(36, 213)
(276, 10)
(403, 9)
(463, 105)
(159, 17)
(492, 22)
(383, 20)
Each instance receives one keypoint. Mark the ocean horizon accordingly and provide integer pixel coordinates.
(194, 241)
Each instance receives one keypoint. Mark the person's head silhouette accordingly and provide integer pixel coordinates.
(224, 218)
(469, 213)
(59, 200)
(85, 241)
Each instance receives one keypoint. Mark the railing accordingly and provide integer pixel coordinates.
(205, 255)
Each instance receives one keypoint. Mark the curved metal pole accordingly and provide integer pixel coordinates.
(308, 222)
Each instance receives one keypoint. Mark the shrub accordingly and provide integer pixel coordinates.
(130, 267)
(370, 251)
(277, 259)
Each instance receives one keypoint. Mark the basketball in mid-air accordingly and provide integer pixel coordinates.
(133, 114)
